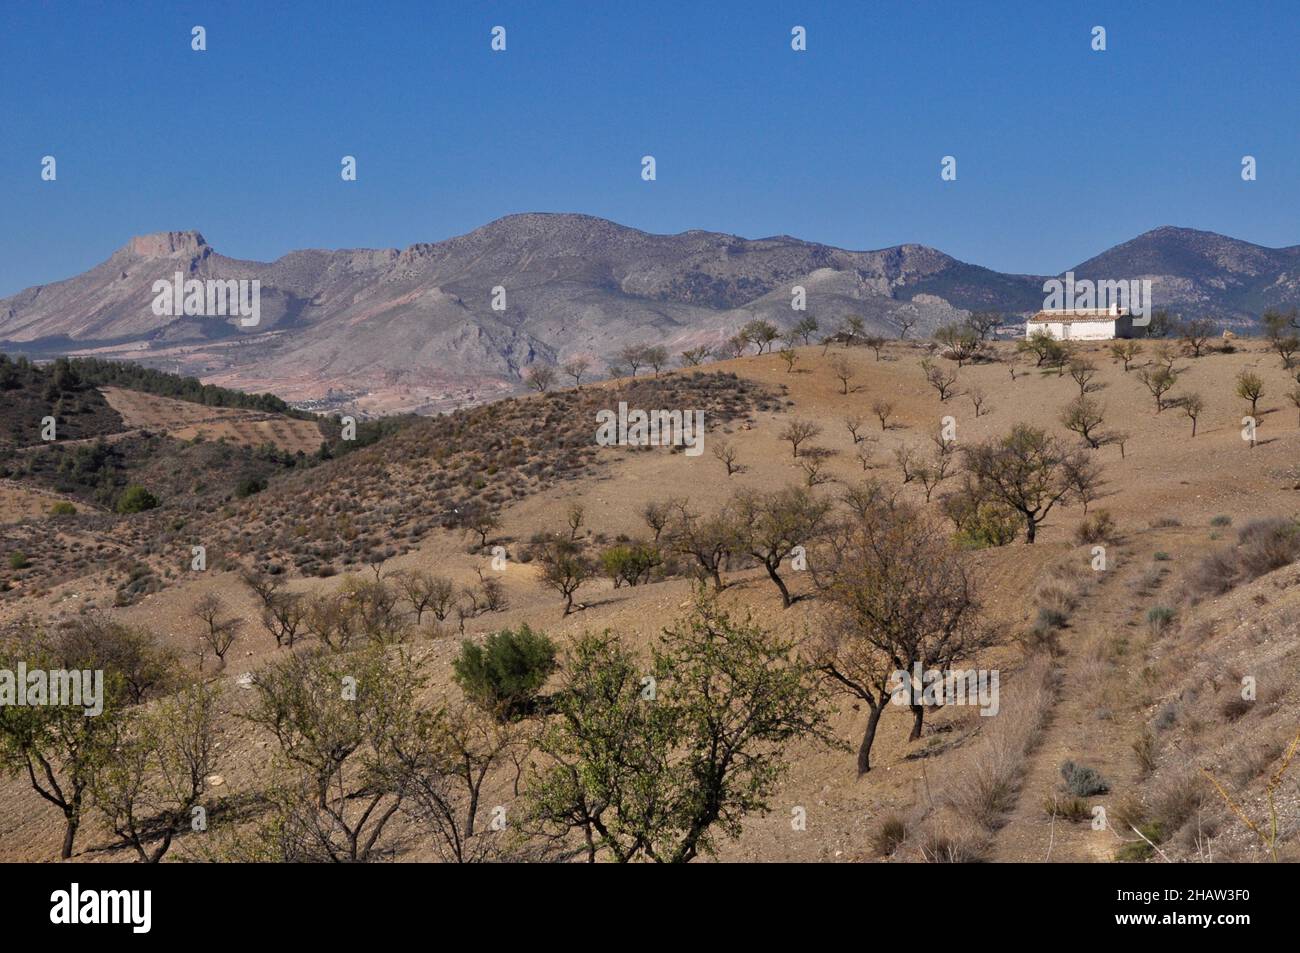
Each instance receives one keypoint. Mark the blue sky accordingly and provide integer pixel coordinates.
(1061, 151)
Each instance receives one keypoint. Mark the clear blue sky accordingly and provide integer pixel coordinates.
(1061, 151)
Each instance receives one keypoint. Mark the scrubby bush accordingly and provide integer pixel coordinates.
(1097, 528)
(1268, 544)
(506, 673)
(1083, 781)
(63, 508)
(136, 499)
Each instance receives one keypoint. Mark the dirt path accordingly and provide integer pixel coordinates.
(1092, 723)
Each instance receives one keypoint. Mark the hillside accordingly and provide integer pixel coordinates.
(1131, 670)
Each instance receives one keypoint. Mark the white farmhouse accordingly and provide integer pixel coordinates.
(1083, 324)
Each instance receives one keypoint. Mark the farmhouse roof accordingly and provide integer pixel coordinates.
(1066, 316)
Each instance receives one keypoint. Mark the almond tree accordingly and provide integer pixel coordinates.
(426, 592)
(1083, 416)
(1083, 371)
(725, 452)
(695, 356)
(882, 409)
(564, 567)
(760, 333)
(540, 377)
(1027, 470)
(656, 356)
(770, 525)
(843, 371)
(938, 378)
(1250, 387)
(58, 748)
(575, 367)
(334, 717)
(1159, 381)
(805, 329)
(162, 758)
(1192, 407)
(853, 423)
(657, 767)
(709, 540)
(900, 597)
(1195, 334)
(439, 767)
(217, 633)
(1126, 352)
(797, 431)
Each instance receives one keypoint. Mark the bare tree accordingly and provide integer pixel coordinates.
(725, 452)
(709, 540)
(575, 367)
(632, 356)
(1195, 334)
(854, 424)
(882, 409)
(540, 377)
(1083, 371)
(1192, 406)
(216, 632)
(283, 616)
(843, 371)
(943, 381)
(439, 768)
(798, 431)
(574, 517)
(656, 356)
(426, 593)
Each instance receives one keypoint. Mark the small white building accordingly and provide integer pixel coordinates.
(1083, 324)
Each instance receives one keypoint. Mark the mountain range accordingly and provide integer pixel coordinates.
(383, 330)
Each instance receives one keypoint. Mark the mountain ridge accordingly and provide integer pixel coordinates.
(418, 327)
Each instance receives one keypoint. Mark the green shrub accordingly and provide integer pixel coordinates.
(630, 563)
(18, 560)
(248, 486)
(1221, 521)
(506, 673)
(988, 524)
(136, 499)
(63, 508)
